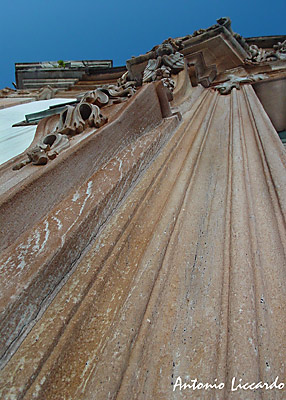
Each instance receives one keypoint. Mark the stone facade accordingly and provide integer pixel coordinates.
(147, 251)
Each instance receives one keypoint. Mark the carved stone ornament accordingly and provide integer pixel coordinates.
(114, 91)
(280, 50)
(165, 63)
(72, 121)
(235, 81)
(47, 149)
(258, 55)
(280, 47)
(110, 94)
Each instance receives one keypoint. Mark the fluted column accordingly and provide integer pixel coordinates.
(186, 279)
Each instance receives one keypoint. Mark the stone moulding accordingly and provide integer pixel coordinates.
(202, 232)
(159, 231)
(72, 121)
(198, 70)
(106, 144)
(97, 161)
(219, 44)
(207, 52)
(76, 119)
(184, 90)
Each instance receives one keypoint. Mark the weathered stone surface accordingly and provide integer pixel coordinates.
(156, 248)
(75, 119)
(185, 278)
(102, 147)
(37, 265)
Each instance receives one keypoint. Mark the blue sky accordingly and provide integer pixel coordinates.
(74, 30)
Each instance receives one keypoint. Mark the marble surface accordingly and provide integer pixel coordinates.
(14, 141)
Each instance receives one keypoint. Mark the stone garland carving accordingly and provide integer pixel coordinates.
(257, 55)
(119, 91)
(235, 81)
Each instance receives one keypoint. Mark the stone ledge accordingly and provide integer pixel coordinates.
(36, 263)
(49, 184)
